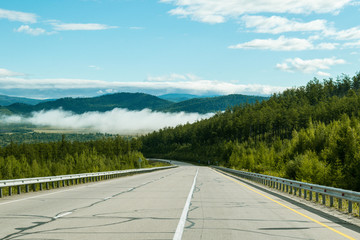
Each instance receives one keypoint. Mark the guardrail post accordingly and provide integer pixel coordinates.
(350, 207)
(10, 191)
(27, 188)
(311, 195)
(331, 201)
(305, 194)
(340, 204)
(300, 192)
(1, 193)
(291, 190)
(317, 197)
(323, 199)
(47, 186)
(58, 184)
(287, 188)
(53, 185)
(19, 189)
(34, 187)
(41, 186)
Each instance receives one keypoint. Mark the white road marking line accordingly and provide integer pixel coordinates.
(181, 224)
(62, 215)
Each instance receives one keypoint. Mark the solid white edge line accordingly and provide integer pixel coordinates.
(181, 224)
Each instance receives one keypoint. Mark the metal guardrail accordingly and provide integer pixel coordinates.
(301, 189)
(64, 180)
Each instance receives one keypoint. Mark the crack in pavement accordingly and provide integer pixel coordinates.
(22, 231)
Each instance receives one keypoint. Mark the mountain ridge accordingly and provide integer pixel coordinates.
(134, 101)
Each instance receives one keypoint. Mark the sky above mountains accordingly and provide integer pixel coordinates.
(59, 48)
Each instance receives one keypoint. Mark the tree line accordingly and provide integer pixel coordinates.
(309, 133)
(65, 157)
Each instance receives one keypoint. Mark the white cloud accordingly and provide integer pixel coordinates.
(155, 87)
(276, 24)
(284, 44)
(215, 11)
(352, 44)
(327, 46)
(80, 26)
(348, 34)
(18, 16)
(323, 74)
(32, 31)
(280, 44)
(116, 121)
(309, 66)
(7, 73)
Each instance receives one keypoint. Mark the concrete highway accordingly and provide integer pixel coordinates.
(188, 202)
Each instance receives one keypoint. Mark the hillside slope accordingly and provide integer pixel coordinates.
(134, 101)
(7, 100)
(131, 101)
(310, 133)
(213, 104)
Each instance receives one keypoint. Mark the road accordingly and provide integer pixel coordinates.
(153, 206)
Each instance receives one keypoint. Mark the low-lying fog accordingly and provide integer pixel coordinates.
(117, 121)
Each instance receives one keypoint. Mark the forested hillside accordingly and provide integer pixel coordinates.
(310, 133)
(64, 157)
(7, 100)
(133, 101)
(212, 104)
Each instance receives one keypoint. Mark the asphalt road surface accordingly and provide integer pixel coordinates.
(188, 202)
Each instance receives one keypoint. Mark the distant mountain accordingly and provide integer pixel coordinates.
(133, 101)
(213, 104)
(175, 97)
(7, 100)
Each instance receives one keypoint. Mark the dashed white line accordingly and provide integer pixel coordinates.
(62, 215)
(181, 224)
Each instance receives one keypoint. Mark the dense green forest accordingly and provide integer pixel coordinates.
(26, 136)
(132, 101)
(212, 104)
(310, 133)
(65, 157)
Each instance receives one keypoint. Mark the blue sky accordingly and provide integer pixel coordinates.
(59, 48)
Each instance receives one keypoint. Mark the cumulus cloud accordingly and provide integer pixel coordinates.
(32, 31)
(215, 11)
(309, 66)
(276, 24)
(347, 34)
(352, 44)
(283, 44)
(18, 16)
(117, 121)
(80, 26)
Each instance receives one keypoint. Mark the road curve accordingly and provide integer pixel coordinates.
(151, 206)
